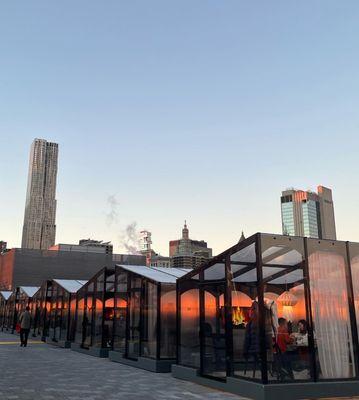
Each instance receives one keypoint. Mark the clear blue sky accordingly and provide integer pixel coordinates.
(203, 110)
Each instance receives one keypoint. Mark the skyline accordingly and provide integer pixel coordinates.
(126, 236)
(180, 111)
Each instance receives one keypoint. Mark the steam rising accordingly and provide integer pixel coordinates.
(112, 215)
(130, 239)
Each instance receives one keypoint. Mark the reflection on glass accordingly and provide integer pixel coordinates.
(168, 322)
(133, 350)
(149, 327)
(214, 340)
(120, 324)
(189, 342)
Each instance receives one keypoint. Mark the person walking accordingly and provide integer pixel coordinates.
(25, 324)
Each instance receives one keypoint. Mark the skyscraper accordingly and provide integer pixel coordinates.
(308, 214)
(40, 209)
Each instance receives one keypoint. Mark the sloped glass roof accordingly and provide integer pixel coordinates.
(29, 290)
(157, 274)
(5, 294)
(71, 285)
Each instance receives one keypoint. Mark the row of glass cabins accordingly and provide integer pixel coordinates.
(271, 316)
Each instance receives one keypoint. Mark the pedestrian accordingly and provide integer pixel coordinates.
(25, 324)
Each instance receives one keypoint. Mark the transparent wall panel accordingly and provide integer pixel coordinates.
(168, 321)
(35, 315)
(189, 347)
(88, 315)
(108, 312)
(108, 320)
(80, 322)
(213, 329)
(354, 262)
(245, 314)
(330, 309)
(149, 320)
(98, 311)
(133, 345)
(53, 313)
(119, 340)
(119, 343)
(63, 304)
(72, 327)
(286, 321)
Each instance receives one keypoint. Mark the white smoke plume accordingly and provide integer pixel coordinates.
(130, 239)
(112, 215)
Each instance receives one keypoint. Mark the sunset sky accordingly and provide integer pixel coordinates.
(197, 110)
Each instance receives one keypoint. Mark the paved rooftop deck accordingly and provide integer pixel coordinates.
(45, 372)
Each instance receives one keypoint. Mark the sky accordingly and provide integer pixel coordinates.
(198, 110)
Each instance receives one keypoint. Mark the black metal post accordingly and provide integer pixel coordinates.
(104, 296)
(129, 299)
(143, 292)
(228, 316)
(201, 321)
(262, 310)
(158, 317)
(178, 322)
(114, 321)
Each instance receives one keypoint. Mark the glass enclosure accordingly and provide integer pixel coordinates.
(95, 311)
(273, 309)
(53, 310)
(4, 297)
(145, 311)
(16, 303)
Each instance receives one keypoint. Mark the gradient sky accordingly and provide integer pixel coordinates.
(198, 110)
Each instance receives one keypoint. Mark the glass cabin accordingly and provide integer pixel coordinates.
(94, 314)
(144, 331)
(53, 311)
(19, 299)
(271, 311)
(4, 297)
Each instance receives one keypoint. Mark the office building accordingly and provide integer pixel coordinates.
(308, 214)
(188, 253)
(40, 209)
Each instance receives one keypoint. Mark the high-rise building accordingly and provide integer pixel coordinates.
(188, 253)
(308, 214)
(40, 210)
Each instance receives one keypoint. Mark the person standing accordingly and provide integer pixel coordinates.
(25, 324)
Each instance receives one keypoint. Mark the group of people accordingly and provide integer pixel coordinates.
(284, 345)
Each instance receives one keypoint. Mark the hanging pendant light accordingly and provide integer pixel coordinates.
(287, 299)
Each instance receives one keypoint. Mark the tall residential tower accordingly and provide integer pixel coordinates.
(308, 214)
(40, 209)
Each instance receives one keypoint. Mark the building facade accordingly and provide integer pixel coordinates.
(308, 214)
(188, 253)
(30, 267)
(86, 246)
(39, 228)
